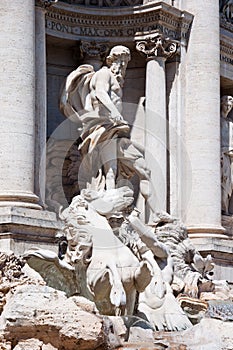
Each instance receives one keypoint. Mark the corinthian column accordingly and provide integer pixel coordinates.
(156, 49)
(20, 223)
(40, 97)
(202, 126)
(17, 102)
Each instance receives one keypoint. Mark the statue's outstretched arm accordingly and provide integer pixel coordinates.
(148, 237)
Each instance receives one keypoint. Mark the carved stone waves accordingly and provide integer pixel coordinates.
(221, 310)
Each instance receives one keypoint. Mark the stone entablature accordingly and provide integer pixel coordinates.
(226, 54)
(226, 32)
(226, 48)
(77, 22)
(107, 3)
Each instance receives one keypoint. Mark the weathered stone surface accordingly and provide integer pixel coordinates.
(41, 312)
(34, 316)
(209, 334)
(30, 344)
(138, 334)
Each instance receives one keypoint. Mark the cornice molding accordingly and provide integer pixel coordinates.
(224, 24)
(226, 50)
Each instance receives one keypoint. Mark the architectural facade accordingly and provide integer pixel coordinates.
(181, 65)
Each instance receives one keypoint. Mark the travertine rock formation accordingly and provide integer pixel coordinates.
(37, 317)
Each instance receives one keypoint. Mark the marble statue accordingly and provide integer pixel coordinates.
(192, 272)
(106, 271)
(94, 99)
(156, 303)
(226, 153)
(107, 254)
(111, 258)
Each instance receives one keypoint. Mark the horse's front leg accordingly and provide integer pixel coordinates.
(108, 291)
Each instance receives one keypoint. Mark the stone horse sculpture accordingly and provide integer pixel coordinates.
(96, 265)
(101, 267)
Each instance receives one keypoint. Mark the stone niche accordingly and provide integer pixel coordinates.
(69, 27)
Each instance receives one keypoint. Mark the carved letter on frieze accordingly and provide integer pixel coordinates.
(156, 45)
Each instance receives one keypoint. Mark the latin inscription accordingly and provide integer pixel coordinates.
(106, 32)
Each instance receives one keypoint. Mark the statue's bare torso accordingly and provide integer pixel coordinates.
(106, 93)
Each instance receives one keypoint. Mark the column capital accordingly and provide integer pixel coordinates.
(93, 49)
(45, 3)
(93, 52)
(156, 45)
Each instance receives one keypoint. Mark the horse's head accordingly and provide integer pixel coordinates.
(109, 201)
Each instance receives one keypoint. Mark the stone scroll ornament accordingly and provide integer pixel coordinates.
(107, 254)
(46, 3)
(156, 45)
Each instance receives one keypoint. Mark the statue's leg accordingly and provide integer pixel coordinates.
(107, 288)
(132, 162)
